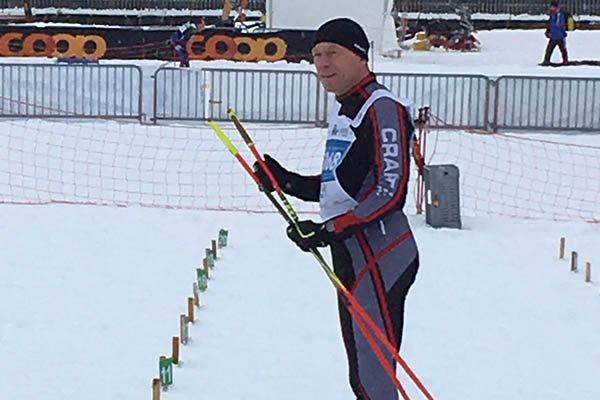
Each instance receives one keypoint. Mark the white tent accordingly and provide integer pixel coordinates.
(375, 16)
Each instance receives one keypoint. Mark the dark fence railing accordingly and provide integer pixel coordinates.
(515, 7)
(133, 4)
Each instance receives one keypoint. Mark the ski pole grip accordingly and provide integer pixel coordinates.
(236, 121)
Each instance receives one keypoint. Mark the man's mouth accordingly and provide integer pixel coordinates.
(327, 76)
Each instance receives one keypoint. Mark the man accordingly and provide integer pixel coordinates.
(556, 33)
(180, 38)
(361, 192)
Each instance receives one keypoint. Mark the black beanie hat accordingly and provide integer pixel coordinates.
(554, 3)
(345, 32)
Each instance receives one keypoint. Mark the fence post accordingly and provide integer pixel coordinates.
(573, 261)
(155, 94)
(496, 86)
(140, 93)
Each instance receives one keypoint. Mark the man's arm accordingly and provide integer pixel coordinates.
(304, 187)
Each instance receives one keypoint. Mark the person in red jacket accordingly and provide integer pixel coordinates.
(361, 193)
(556, 33)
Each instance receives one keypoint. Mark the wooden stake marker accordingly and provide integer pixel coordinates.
(175, 350)
(206, 269)
(214, 248)
(588, 272)
(573, 261)
(156, 389)
(561, 253)
(191, 309)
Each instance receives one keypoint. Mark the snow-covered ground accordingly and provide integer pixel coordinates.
(90, 296)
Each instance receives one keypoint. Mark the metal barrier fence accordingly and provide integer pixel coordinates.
(547, 103)
(179, 94)
(132, 4)
(257, 95)
(514, 7)
(288, 96)
(79, 91)
(460, 100)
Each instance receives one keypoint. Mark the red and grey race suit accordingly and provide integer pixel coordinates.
(362, 190)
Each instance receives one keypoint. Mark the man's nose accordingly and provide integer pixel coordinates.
(322, 64)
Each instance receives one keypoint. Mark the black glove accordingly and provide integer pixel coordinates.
(278, 171)
(313, 234)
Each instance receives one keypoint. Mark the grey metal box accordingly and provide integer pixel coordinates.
(442, 196)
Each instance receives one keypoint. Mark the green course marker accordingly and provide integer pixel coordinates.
(202, 279)
(165, 371)
(223, 238)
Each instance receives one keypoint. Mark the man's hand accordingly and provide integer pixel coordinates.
(313, 234)
(278, 172)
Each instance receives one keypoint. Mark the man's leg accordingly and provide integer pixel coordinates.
(368, 378)
(344, 269)
(184, 58)
(549, 50)
(562, 45)
(397, 296)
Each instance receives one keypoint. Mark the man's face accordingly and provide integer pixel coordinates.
(553, 9)
(338, 68)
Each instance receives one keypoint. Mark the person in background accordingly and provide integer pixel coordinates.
(180, 38)
(556, 33)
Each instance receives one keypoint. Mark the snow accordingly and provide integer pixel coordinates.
(95, 292)
(90, 296)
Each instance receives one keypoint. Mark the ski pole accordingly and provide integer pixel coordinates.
(328, 270)
(251, 145)
(351, 304)
(236, 153)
